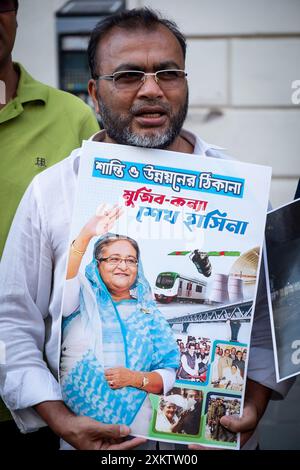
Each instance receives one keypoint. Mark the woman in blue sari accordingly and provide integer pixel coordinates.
(117, 347)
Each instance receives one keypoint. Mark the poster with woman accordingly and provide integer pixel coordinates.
(162, 272)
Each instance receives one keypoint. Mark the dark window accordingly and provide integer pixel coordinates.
(165, 281)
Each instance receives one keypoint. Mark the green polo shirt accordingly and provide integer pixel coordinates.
(38, 128)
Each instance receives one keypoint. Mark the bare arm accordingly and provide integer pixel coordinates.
(82, 432)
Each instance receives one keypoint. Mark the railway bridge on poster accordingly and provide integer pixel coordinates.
(234, 313)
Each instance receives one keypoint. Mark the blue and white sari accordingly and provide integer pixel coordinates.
(136, 337)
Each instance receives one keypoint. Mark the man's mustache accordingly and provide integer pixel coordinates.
(136, 108)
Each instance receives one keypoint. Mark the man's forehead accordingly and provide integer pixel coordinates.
(143, 47)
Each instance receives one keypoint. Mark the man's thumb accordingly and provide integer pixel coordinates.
(113, 431)
(237, 424)
(124, 430)
(232, 424)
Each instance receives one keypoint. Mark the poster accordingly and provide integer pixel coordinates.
(283, 282)
(198, 223)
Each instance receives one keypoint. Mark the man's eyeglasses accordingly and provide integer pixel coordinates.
(7, 5)
(130, 261)
(134, 79)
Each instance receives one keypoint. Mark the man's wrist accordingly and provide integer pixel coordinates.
(56, 415)
(257, 395)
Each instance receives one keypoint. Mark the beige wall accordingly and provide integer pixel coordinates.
(35, 45)
(242, 59)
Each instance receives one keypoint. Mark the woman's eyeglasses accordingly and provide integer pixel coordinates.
(130, 261)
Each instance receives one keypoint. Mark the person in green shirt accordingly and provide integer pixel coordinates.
(39, 126)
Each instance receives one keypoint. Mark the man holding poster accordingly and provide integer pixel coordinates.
(141, 94)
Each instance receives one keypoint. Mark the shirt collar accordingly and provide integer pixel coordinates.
(30, 89)
(200, 146)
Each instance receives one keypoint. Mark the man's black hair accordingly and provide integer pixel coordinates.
(129, 20)
(16, 5)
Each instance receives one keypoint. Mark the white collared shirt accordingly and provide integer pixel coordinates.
(32, 276)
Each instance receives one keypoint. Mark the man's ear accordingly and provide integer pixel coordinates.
(92, 89)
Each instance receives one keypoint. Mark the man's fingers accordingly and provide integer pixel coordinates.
(198, 447)
(112, 431)
(104, 445)
(234, 424)
(130, 444)
(245, 423)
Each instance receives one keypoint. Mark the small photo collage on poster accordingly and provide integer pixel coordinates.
(195, 353)
(179, 412)
(228, 366)
(209, 385)
(219, 405)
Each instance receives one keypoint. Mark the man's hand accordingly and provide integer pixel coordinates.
(256, 399)
(82, 432)
(85, 433)
(245, 424)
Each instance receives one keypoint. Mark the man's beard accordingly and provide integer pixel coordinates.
(118, 128)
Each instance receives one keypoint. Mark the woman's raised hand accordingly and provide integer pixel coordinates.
(102, 222)
(98, 225)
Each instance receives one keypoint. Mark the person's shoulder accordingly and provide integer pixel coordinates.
(62, 170)
(64, 98)
(70, 109)
(56, 98)
(214, 151)
(201, 147)
(34, 88)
